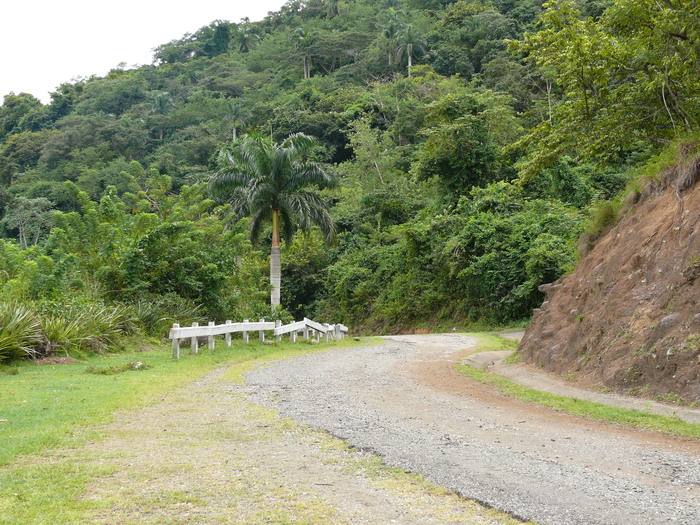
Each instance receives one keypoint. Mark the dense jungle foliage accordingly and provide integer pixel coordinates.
(473, 141)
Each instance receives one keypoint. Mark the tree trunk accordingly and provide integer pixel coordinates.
(410, 64)
(275, 275)
(275, 261)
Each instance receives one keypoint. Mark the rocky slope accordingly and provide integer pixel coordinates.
(628, 318)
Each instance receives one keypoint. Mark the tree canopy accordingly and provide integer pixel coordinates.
(472, 141)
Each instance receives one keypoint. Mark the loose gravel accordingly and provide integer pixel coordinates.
(404, 401)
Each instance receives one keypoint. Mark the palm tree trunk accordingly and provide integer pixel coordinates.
(275, 261)
(275, 275)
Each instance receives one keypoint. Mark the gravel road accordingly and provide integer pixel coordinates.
(404, 401)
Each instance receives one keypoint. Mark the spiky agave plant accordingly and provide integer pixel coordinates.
(20, 332)
(157, 314)
(85, 327)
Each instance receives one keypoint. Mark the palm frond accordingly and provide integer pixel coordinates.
(310, 173)
(306, 208)
(300, 143)
(257, 222)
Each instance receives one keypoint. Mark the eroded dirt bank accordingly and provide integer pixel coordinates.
(627, 319)
(405, 401)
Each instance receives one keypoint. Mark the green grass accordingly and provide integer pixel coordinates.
(47, 409)
(488, 342)
(45, 406)
(578, 407)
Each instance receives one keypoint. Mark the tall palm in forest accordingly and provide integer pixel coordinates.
(303, 40)
(244, 39)
(237, 114)
(411, 42)
(390, 29)
(274, 182)
(161, 105)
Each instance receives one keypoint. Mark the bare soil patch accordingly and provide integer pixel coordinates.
(627, 318)
(55, 360)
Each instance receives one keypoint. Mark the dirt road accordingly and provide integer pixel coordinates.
(404, 401)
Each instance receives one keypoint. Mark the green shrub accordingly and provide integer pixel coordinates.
(85, 327)
(20, 332)
(156, 315)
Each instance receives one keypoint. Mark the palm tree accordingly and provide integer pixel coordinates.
(237, 114)
(271, 182)
(161, 105)
(332, 8)
(244, 39)
(391, 29)
(302, 42)
(410, 42)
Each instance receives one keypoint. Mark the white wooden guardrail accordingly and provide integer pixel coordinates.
(307, 327)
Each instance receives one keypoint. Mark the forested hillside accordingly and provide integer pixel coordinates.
(473, 142)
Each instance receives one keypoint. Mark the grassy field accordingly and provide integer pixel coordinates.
(45, 405)
(45, 409)
(577, 407)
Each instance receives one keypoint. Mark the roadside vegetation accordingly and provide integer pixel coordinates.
(472, 141)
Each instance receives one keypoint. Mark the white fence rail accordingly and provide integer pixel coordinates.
(307, 328)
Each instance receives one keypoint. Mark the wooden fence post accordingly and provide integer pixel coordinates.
(194, 342)
(278, 323)
(306, 330)
(293, 336)
(327, 335)
(262, 332)
(246, 339)
(176, 343)
(210, 341)
(228, 334)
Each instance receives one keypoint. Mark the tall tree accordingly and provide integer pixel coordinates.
(332, 8)
(273, 182)
(160, 106)
(32, 218)
(411, 42)
(237, 114)
(244, 39)
(627, 77)
(391, 28)
(302, 42)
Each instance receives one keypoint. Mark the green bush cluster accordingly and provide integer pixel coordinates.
(132, 263)
(482, 259)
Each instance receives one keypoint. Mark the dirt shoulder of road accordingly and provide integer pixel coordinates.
(529, 376)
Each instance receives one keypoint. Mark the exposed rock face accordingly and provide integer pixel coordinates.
(628, 318)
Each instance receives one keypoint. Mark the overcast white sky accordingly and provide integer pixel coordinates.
(44, 43)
